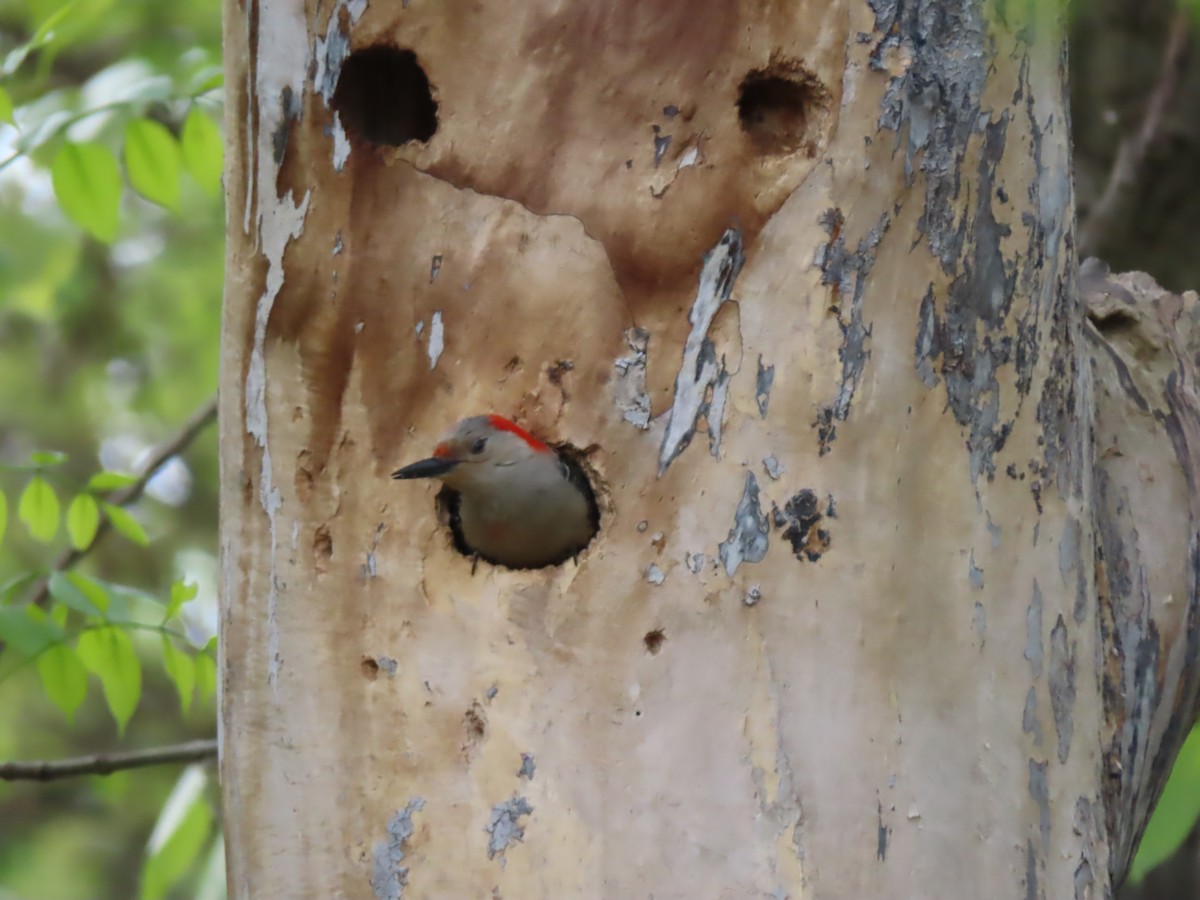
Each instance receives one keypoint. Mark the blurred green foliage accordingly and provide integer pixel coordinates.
(111, 251)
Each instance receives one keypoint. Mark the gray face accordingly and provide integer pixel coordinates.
(468, 452)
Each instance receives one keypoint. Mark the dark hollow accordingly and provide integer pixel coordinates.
(383, 96)
(774, 110)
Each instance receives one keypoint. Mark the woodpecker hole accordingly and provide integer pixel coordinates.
(654, 640)
(383, 96)
(782, 108)
(370, 668)
(582, 475)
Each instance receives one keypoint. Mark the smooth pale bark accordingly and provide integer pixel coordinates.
(839, 635)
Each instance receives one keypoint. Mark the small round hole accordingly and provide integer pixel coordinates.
(383, 96)
(778, 108)
(654, 640)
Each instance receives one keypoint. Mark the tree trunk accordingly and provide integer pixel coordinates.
(797, 283)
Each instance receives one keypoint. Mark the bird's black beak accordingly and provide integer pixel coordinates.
(426, 468)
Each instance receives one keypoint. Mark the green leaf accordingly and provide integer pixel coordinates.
(38, 509)
(83, 518)
(179, 835)
(108, 654)
(205, 79)
(44, 458)
(66, 593)
(63, 678)
(152, 161)
(6, 106)
(206, 669)
(126, 524)
(44, 34)
(93, 590)
(27, 630)
(3, 513)
(1176, 813)
(103, 482)
(15, 585)
(181, 667)
(202, 149)
(181, 593)
(87, 183)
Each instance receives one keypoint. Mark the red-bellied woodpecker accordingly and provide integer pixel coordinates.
(519, 503)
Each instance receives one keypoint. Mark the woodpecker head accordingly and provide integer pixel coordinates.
(476, 452)
(509, 498)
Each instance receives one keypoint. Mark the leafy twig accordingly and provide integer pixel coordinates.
(1132, 151)
(200, 419)
(107, 763)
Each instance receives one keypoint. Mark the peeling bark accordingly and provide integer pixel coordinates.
(836, 239)
(1143, 345)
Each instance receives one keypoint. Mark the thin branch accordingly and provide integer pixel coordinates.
(107, 763)
(1131, 154)
(200, 419)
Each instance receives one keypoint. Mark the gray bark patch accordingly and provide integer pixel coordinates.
(715, 412)
(927, 339)
(772, 467)
(504, 826)
(527, 767)
(881, 835)
(1033, 632)
(1062, 687)
(846, 272)
(974, 573)
(748, 539)
(762, 387)
(1039, 790)
(388, 877)
(969, 343)
(936, 108)
(1031, 879)
(936, 103)
(1089, 826)
(1029, 720)
(1068, 548)
(700, 367)
(629, 391)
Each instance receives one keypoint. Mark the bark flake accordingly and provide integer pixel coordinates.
(388, 877)
(748, 538)
(1039, 790)
(1033, 632)
(846, 272)
(700, 368)
(1029, 720)
(504, 826)
(1061, 673)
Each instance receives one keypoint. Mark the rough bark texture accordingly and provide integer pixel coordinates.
(1144, 349)
(798, 278)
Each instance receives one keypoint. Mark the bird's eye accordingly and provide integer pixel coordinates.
(479, 446)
